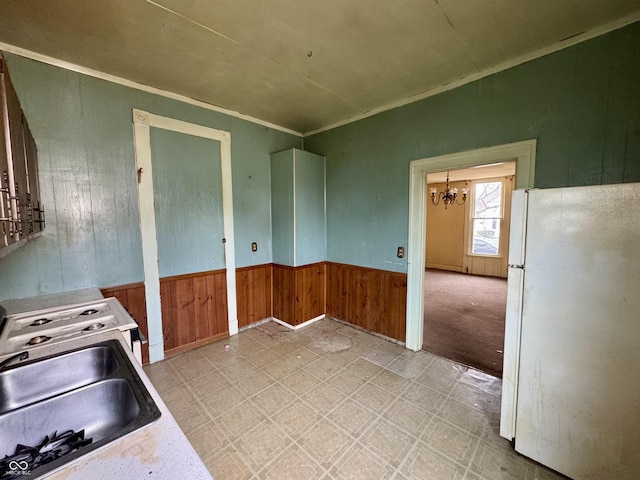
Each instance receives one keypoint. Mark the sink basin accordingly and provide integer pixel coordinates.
(101, 409)
(44, 378)
(95, 389)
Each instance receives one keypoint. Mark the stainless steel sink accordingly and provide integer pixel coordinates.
(95, 389)
(101, 409)
(45, 378)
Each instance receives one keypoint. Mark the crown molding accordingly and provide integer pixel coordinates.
(138, 86)
(561, 45)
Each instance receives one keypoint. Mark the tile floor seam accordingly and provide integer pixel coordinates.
(276, 458)
(269, 461)
(451, 461)
(450, 458)
(202, 405)
(371, 452)
(362, 433)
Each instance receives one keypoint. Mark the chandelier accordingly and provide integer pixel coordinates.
(449, 196)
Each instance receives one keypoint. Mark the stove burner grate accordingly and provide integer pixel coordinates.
(49, 450)
(93, 326)
(91, 311)
(41, 321)
(37, 340)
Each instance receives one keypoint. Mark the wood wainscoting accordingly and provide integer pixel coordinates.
(194, 310)
(194, 306)
(299, 293)
(375, 300)
(254, 292)
(131, 296)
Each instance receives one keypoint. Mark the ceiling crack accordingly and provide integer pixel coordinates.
(316, 84)
(453, 27)
(222, 35)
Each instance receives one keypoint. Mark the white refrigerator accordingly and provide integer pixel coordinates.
(571, 382)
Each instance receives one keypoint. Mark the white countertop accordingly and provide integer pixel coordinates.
(158, 451)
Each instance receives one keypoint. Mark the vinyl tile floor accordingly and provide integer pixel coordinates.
(332, 402)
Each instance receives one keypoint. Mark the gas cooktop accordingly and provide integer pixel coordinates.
(30, 330)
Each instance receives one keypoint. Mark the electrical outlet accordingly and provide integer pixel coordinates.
(400, 252)
(254, 246)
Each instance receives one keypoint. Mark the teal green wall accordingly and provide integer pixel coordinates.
(83, 129)
(187, 195)
(282, 207)
(310, 208)
(298, 207)
(581, 103)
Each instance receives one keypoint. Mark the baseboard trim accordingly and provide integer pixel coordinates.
(255, 324)
(375, 334)
(196, 344)
(450, 268)
(302, 325)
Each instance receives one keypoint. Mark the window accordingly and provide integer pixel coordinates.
(486, 219)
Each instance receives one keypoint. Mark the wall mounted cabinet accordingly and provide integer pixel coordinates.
(21, 212)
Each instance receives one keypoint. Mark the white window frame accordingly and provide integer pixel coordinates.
(471, 218)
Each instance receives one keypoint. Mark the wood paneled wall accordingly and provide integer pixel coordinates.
(283, 293)
(194, 306)
(445, 231)
(194, 310)
(371, 299)
(299, 293)
(254, 287)
(132, 298)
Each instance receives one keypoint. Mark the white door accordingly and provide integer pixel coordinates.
(578, 399)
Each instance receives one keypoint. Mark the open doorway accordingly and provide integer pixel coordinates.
(524, 153)
(466, 251)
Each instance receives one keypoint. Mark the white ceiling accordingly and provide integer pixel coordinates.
(301, 64)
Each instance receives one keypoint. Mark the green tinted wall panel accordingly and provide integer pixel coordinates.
(282, 216)
(310, 238)
(582, 104)
(298, 207)
(83, 130)
(187, 191)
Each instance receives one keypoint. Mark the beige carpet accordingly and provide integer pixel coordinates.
(464, 318)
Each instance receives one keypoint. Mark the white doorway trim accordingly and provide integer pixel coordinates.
(524, 154)
(142, 123)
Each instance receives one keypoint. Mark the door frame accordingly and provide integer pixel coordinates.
(142, 123)
(523, 153)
